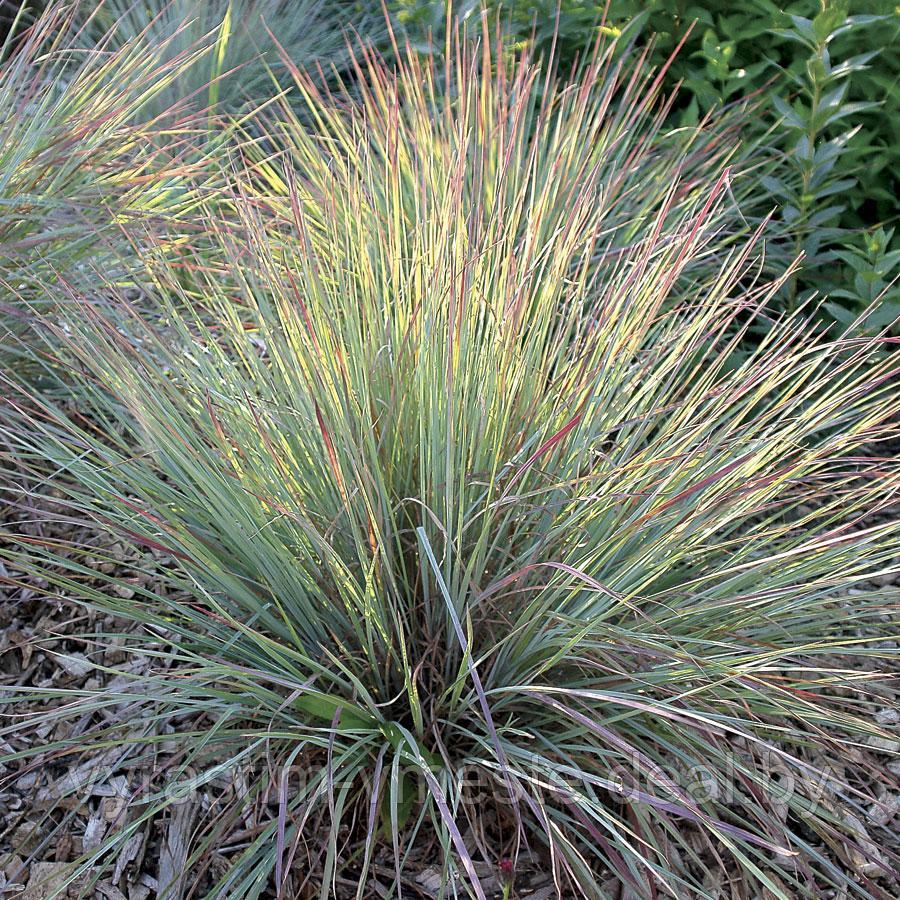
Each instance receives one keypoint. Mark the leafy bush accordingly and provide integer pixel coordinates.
(443, 506)
(874, 267)
(820, 151)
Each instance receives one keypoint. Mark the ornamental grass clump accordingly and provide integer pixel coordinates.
(241, 37)
(75, 174)
(468, 536)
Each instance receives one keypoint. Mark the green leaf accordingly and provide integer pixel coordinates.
(788, 113)
(803, 30)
